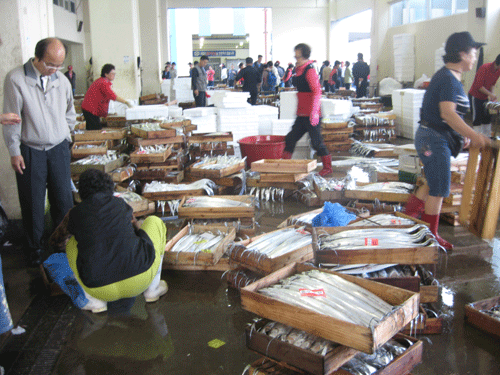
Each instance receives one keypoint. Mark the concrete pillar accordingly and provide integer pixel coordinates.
(150, 20)
(492, 26)
(114, 27)
(380, 25)
(164, 34)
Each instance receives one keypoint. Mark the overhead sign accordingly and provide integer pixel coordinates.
(214, 53)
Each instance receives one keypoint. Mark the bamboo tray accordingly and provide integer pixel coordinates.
(219, 173)
(100, 135)
(481, 320)
(219, 212)
(284, 166)
(352, 335)
(138, 141)
(409, 255)
(264, 264)
(137, 157)
(208, 138)
(150, 134)
(106, 168)
(282, 177)
(201, 258)
(170, 195)
(79, 153)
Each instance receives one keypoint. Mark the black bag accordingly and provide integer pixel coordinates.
(455, 141)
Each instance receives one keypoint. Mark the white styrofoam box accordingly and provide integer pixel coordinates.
(206, 124)
(230, 99)
(199, 111)
(143, 112)
(119, 108)
(288, 105)
(266, 124)
(302, 152)
(166, 86)
(174, 111)
(182, 82)
(266, 110)
(281, 127)
(335, 107)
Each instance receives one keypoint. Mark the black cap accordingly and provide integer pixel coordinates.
(461, 42)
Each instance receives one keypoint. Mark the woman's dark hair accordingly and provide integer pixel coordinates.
(270, 64)
(106, 69)
(497, 60)
(453, 57)
(93, 181)
(347, 63)
(290, 66)
(305, 50)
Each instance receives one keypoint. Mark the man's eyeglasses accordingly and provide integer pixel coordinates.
(52, 67)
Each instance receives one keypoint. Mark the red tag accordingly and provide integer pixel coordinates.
(301, 231)
(312, 293)
(371, 241)
(394, 221)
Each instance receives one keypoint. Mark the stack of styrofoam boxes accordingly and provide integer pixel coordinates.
(180, 89)
(144, 112)
(119, 108)
(404, 57)
(242, 122)
(229, 99)
(335, 108)
(204, 117)
(406, 105)
(288, 105)
(438, 58)
(166, 85)
(302, 147)
(266, 115)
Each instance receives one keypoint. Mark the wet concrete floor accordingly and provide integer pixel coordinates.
(172, 336)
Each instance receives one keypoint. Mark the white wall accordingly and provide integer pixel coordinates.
(345, 8)
(36, 20)
(65, 24)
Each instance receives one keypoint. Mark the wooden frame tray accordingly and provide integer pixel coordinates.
(151, 134)
(201, 258)
(372, 195)
(161, 174)
(282, 177)
(136, 157)
(289, 221)
(408, 255)
(352, 335)
(327, 195)
(335, 125)
(138, 141)
(481, 320)
(267, 265)
(79, 153)
(169, 195)
(137, 206)
(122, 174)
(284, 166)
(219, 213)
(106, 168)
(207, 138)
(425, 326)
(219, 173)
(100, 135)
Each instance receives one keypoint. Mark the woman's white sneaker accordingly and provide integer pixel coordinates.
(154, 295)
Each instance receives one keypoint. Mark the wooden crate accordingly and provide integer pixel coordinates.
(284, 166)
(122, 174)
(221, 266)
(409, 255)
(137, 206)
(326, 195)
(170, 195)
(240, 277)
(352, 335)
(316, 364)
(149, 211)
(291, 219)
(424, 325)
(429, 293)
(282, 177)
(217, 173)
(481, 320)
(334, 125)
(266, 265)
(394, 223)
(372, 195)
(79, 153)
(114, 121)
(210, 138)
(337, 137)
(100, 135)
(138, 157)
(106, 168)
(201, 258)
(138, 141)
(163, 174)
(218, 213)
(151, 134)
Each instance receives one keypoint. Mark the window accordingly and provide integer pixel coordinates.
(69, 5)
(409, 11)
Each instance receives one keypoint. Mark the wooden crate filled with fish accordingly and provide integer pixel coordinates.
(216, 137)
(217, 166)
(81, 150)
(389, 220)
(405, 244)
(123, 173)
(485, 315)
(213, 146)
(304, 219)
(157, 190)
(327, 124)
(336, 134)
(151, 154)
(220, 207)
(105, 163)
(164, 174)
(271, 251)
(196, 245)
(245, 226)
(99, 135)
(137, 202)
(282, 177)
(383, 191)
(175, 123)
(428, 322)
(240, 277)
(138, 141)
(352, 311)
(196, 151)
(284, 166)
(330, 189)
(318, 356)
(115, 121)
(150, 130)
(376, 150)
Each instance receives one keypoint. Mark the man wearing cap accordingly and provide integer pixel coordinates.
(442, 132)
(481, 92)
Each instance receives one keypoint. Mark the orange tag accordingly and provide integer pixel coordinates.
(371, 241)
(312, 293)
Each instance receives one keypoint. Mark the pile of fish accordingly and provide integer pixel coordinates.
(275, 244)
(97, 159)
(493, 312)
(156, 149)
(330, 184)
(156, 186)
(148, 126)
(266, 194)
(330, 295)
(296, 337)
(305, 219)
(237, 224)
(388, 187)
(375, 270)
(128, 196)
(383, 219)
(367, 150)
(492, 105)
(218, 162)
(386, 238)
(205, 242)
(241, 277)
(173, 206)
(366, 364)
(383, 163)
(205, 202)
(370, 120)
(86, 146)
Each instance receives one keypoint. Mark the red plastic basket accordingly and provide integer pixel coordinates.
(259, 147)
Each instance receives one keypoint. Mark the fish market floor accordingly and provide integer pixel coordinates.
(198, 326)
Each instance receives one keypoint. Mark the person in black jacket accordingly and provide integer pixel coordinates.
(70, 74)
(251, 80)
(360, 72)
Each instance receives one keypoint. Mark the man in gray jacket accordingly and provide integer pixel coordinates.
(39, 146)
(199, 82)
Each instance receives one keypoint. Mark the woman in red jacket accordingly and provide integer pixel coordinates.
(287, 79)
(96, 101)
(308, 109)
(210, 76)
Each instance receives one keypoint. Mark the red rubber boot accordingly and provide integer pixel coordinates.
(286, 155)
(327, 165)
(414, 207)
(433, 220)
